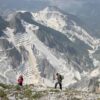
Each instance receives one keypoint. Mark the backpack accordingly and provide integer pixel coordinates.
(62, 77)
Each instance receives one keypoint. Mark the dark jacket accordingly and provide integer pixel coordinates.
(59, 78)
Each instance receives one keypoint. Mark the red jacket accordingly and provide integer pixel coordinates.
(20, 80)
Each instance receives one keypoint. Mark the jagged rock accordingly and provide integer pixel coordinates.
(39, 47)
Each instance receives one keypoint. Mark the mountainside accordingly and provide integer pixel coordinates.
(89, 13)
(67, 24)
(38, 45)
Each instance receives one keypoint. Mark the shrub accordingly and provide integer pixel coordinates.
(17, 87)
(28, 93)
(4, 86)
(37, 95)
(75, 98)
(3, 95)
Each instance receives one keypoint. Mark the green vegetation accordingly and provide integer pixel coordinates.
(5, 86)
(54, 90)
(31, 93)
(37, 95)
(28, 93)
(17, 87)
(75, 98)
(3, 95)
(71, 92)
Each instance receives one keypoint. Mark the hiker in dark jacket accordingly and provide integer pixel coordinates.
(59, 81)
(20, 80)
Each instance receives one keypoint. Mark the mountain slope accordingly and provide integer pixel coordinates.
(65, 23)
(38, 51)
(88, 12)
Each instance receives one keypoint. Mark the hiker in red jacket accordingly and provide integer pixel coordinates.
(20, 80)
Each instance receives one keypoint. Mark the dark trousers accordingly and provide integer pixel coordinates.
(60, 85)
(20, 84)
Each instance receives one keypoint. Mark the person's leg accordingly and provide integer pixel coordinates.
(60, 85)
(20, 84)
(56, 85)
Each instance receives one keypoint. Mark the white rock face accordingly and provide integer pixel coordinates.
(35, 53)
(63, 23)
(95, 73)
